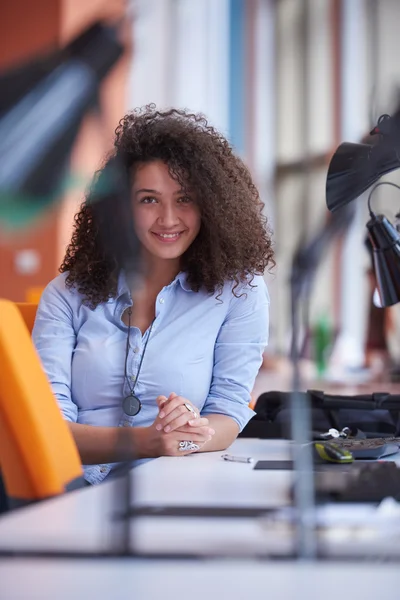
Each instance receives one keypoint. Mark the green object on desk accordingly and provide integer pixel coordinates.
(322, 342)
(331, 453)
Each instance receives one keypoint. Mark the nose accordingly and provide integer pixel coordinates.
(168, 215)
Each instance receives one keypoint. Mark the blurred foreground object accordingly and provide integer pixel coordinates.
(38, 455)
(40, 115)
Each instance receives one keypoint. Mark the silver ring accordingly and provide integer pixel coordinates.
(190, 409)
(185, 446)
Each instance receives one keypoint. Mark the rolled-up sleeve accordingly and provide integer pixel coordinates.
(55, 339)
(238, 354)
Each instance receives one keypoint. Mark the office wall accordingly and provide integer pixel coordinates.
(336, 73)
(218, 58)
(246, 66)
(181, 57)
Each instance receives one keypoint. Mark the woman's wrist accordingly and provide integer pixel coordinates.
(144, 448)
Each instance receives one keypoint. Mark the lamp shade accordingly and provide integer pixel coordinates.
(385, 241)
(354, 168)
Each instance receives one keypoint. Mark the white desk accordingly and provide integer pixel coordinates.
(82, 521)
(202, 580)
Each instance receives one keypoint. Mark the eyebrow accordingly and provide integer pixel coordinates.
(147, 190)
(150, 191)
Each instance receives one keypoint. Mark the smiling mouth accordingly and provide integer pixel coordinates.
(168, 237)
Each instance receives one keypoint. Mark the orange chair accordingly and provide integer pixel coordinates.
(38, 456)
(28, 312)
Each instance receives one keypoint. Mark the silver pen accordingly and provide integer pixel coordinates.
(239, 459)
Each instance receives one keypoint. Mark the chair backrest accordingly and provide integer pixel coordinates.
(38, 455)
(28, 312)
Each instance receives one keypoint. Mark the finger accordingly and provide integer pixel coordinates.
(199, 422)
(205, 431)
(161, 400)
(179, 411)
(181, 421)
(169, 406)
(178, 452)
(171, 425)
(190, 437)
(164, 399)
(171, 448)
(174, 404)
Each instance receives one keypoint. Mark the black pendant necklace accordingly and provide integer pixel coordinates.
(131, 404)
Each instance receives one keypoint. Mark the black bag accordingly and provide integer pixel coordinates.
(377, 415)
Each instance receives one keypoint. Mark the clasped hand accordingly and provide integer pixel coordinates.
(175, 424)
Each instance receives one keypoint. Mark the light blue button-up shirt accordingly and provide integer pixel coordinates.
(204, 348)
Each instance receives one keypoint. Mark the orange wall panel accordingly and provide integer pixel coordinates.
(27, 28)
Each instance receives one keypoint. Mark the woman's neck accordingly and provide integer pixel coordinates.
(159, 273)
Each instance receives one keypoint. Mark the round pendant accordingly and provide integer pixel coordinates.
(131, 405)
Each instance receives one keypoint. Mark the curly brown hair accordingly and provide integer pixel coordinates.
(234, 241)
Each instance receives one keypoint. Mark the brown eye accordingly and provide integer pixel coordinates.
(148, 200)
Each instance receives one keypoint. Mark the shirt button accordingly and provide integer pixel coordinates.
(133, 378)
(136, 350)
(103, 469)
(162, 300)
(126, 423)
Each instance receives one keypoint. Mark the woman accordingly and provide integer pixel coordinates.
(168, 368)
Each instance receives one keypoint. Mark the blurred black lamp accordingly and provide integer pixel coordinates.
(352, 170)
(385, 242)
(355, 167)
(41, 108)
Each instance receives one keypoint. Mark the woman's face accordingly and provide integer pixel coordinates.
(167, 219)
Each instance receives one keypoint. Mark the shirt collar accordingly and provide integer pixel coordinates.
(182, 278)
(123, 288)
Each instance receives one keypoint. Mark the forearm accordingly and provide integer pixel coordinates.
(226, 431)
(98, 445)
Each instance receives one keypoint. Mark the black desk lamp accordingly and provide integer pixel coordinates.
(355, 167)
(352, 170)
(385, 242)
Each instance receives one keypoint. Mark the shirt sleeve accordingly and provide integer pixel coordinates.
(238, 354)
(55, 339)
